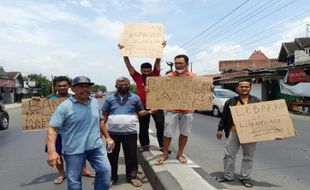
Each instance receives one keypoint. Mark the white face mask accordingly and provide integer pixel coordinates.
(180, 70)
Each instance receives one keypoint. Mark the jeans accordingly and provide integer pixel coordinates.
(98, 160)
(144, 122)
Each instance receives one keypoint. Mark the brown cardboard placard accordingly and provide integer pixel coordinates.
(262, 121)
(187, 93)
(37, 112)
(142, 40)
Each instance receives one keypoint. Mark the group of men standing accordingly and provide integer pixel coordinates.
(78, 118)
(81, 123)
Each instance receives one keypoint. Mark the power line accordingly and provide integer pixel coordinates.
(256, 40)
(214, 24)
(257, 20)
(239, 21)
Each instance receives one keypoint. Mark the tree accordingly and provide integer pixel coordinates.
(97, 88)
(132, 88)
(43, 83)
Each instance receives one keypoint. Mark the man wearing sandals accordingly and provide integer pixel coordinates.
(62, 85)
(182, 119)
(78, 120)
(119, 114)
(232, 143)
(144, 121)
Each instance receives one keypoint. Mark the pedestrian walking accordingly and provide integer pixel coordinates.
(78, 121)
(61, 85)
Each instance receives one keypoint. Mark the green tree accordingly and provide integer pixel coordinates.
(133, 89)
(43, 83)
(97, 88)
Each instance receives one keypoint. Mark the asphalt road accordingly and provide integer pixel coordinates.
(278, 165)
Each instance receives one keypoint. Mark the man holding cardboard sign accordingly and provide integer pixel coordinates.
(232, 144)
(177, 118)
(140, 80)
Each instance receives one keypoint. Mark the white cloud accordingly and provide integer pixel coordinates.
(20, 35)
(107, 28)
(171, 51)
(85, 3)
(272, 51)
(156, 7)
(206, 62)
(291, 31)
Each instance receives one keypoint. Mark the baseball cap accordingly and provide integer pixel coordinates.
(81, 80)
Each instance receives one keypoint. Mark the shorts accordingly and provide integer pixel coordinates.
(58, 144)
(182, 120)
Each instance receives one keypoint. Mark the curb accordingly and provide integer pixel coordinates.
(159, 180)
(172, 174)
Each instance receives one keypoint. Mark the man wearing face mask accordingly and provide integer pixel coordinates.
(119, 114)
(158, 116)
(174, 119)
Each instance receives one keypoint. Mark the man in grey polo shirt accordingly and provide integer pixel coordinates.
(78, 118)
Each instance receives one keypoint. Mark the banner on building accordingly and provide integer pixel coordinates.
(142, 40)
(300, 89)
(299, 75)
(7, 83)
(262, 121)
(37, 112)
(187, 93)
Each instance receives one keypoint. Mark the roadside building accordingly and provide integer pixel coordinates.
(19, 85)
(258, 68)
(7, 87)
(286, 77)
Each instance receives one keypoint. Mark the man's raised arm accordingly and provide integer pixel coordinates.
(130, 68)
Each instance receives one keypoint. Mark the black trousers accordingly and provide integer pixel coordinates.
(129, 143)
(144, 122)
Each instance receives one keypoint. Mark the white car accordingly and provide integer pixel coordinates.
(220, 96)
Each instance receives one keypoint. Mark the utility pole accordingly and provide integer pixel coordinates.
(53, 90)
(191, 66)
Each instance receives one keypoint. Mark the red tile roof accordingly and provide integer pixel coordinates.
(258, 55)
(12, 75)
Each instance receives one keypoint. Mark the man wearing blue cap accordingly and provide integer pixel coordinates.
(78, 120)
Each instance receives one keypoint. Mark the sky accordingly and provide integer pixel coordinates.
(80, 37)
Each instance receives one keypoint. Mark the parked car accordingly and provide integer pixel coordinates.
(4, 117)
(220, 96)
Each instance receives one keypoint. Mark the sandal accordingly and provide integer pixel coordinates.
(223, 179)
(182, 159)
(59, 179)
(247, 183)
(89, 174)
(136, 182)
(161, 160)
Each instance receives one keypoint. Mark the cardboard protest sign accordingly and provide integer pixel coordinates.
(37, 112)
(188, 93)
(142, 40)
(262, 121)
